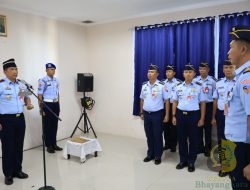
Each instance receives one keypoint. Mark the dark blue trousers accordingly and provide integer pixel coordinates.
(170, 132)
(51, 123)
(12, 137)
(242, 155)
(153, 129)
(220, 121)
(207, 128)
(187, 130)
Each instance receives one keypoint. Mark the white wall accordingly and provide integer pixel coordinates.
(33, 41)
(105, 50)
(110, 49)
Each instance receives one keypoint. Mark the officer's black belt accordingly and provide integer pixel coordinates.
(218, 110)
(183, 112)
(151, 112)
(12, 115)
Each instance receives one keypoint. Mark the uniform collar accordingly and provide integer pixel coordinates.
(242, 67)
(10, 82)
(190, 84)
(156, 83)
(227, 80)
(172, 80)
(49, 78)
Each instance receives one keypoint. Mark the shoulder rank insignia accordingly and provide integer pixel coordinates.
(161, 82)
(144, 82)
(214, 78)
(2, 80)
(246, 70)
(220, 79)
(179, 84)
(198, 83)
(178, 80)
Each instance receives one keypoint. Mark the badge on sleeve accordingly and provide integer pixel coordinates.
(246, 88)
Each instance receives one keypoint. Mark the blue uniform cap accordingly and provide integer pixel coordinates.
(9, 63)
(240, 33)
(189, 67)
(203, 64)
(170, 67)
(227, 62)
(50, 65)
(153, 67)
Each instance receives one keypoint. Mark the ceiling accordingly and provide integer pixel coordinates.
(103, 11)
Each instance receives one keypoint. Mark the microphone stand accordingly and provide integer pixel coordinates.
(45, 187)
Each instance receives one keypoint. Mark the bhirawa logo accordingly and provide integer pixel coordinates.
(222, 158)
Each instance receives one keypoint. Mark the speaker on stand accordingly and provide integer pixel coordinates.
(85, 83)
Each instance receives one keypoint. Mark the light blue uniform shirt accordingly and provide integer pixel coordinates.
(170, 85)
(223, 87)
(12, 96)
(238, 107)
(208, 86)
(48, 87)
(153, 96)
(189, 96)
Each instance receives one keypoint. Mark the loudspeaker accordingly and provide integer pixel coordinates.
(85, 82)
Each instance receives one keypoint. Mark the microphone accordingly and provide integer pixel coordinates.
(26, 84)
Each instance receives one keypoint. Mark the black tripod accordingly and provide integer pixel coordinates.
(45, 187)
(87, 123)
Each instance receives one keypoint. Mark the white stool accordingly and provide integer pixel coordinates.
(81, 149)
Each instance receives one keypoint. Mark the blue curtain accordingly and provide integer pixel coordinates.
(153, 44)
(227, 21)
(201, 42)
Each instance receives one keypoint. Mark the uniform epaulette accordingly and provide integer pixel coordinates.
(246, 70)
(179, 84)
(214, 78)
(161, 82)
(2, 80)
(145, 82)
(198, 83)
(220, 79)
(179, 80)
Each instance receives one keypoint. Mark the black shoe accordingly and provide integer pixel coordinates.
(21, 175)
(223, 174)
(157, 161)
(173, 150)
(147, 159)
(181, 165)
(8, 180)
(191, 167)
(50, 149)
(57, 148)
(166, 147)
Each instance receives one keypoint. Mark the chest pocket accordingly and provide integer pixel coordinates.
(222, 92)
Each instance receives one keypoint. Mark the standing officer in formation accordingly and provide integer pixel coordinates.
(237, 124)
(208, 87)
(153, 96)
(223, 86)
(170, 132)
(189, 115)
(48, 91)
(13, 96)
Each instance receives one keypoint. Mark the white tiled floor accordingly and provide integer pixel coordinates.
(118, 167)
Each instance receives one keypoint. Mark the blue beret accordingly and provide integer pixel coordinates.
(153, 67)
(240, 33)
(9, 63)
(189, 67)
(203, 64)
(227, 62)
(170, 67)
(50, 65)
